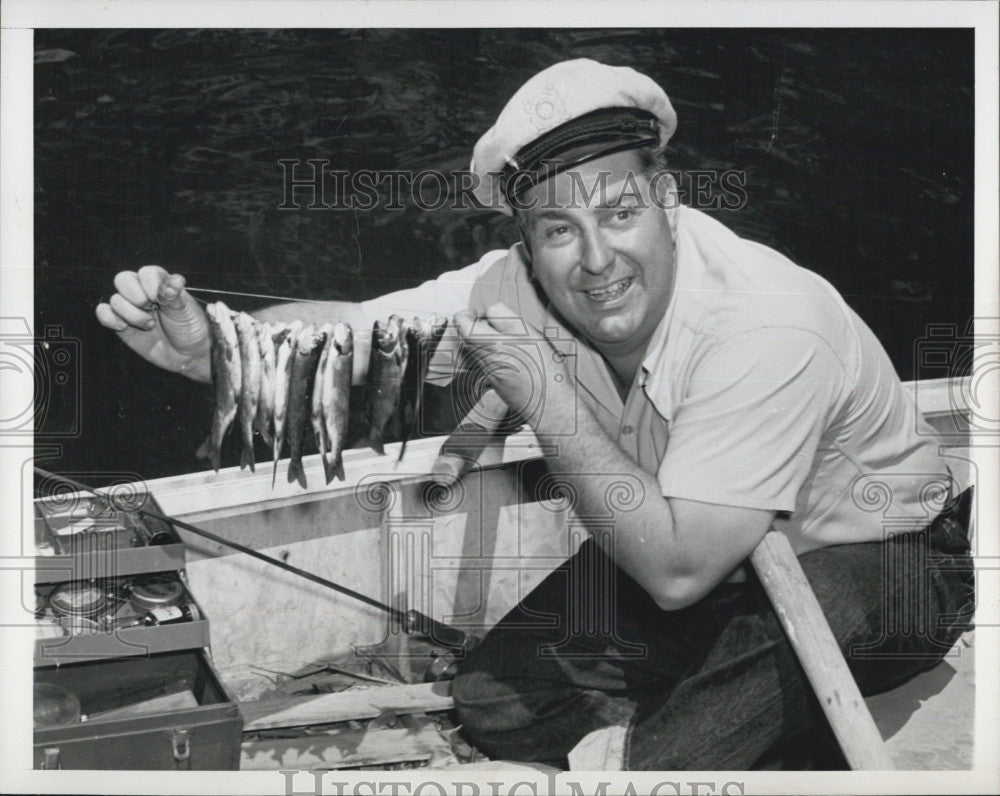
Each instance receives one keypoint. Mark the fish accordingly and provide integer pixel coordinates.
(422, 338)
(385, 375)
(316, 416)
(265, 400)
(336, 374)
(249, 395)
(226, 376)
(284, 351)
(308, 349)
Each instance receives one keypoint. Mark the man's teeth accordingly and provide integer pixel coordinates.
(612, 290)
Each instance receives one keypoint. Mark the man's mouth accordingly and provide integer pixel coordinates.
(609, 292)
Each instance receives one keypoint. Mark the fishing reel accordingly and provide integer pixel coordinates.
(450, 644)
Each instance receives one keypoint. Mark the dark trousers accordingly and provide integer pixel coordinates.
(715, 685)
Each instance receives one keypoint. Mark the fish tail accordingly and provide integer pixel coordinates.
(278, 441)
(376, 443)
(247, 460)
(296, 473)
(338, 468)
(328, 469)
(214, 443)
(402, 449)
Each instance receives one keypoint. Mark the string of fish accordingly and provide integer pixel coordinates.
(280, 379)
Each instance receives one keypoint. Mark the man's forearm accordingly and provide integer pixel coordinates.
(644, 540)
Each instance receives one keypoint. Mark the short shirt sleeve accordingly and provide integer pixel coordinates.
(748, 427)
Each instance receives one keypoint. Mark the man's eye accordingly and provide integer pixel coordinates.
(624, 213)
(556, 232)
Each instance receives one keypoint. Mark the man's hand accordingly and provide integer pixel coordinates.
(157, 318)
(531, 374)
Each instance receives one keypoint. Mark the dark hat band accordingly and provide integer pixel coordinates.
(590, 136)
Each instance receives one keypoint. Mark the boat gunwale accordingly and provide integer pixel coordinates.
(206, 495)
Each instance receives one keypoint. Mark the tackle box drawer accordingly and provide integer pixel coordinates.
(116, 617)
(163, 712)
(81, 537)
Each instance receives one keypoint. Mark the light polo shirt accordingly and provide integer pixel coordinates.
(760, 388)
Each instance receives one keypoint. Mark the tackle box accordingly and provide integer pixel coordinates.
(81, 536)
(99, 619)
(122, 674)
(167, 711)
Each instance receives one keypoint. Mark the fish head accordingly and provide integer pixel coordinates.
(343, 338)
(308, 338)
(282, 335)
(224, 318)
(245, 324)
(385, 337)
(419, 327)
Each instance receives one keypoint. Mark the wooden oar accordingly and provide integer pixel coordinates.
(804, 623)
(464, 445)
(784, 581)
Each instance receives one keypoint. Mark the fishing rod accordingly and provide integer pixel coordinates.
(412, 621)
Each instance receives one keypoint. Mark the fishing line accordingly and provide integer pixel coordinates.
(250, 295)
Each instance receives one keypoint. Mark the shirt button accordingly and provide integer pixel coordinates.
(627, 430)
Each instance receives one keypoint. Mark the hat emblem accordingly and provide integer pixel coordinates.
(544, 110)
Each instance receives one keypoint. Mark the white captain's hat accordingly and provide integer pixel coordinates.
(566, 115)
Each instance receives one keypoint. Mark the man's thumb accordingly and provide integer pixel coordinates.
(183, 321)
(171, 294)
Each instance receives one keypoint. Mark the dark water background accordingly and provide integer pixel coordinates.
(157, 146)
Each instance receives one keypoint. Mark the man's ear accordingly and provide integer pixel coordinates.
(668, 197)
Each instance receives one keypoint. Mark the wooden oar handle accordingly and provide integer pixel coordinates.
(465, 444)
(808, 631)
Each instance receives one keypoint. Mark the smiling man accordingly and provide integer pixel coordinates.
(731, 390)
(736, 392)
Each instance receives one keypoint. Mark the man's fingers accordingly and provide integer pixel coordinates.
(509, 327)
(505, 320)
(108, 318)
(465, 321)
(130, 313)
(130, 288)
(499, 310)
(500, 322)
(151, 277)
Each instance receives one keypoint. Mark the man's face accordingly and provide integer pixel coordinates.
(605, 259)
